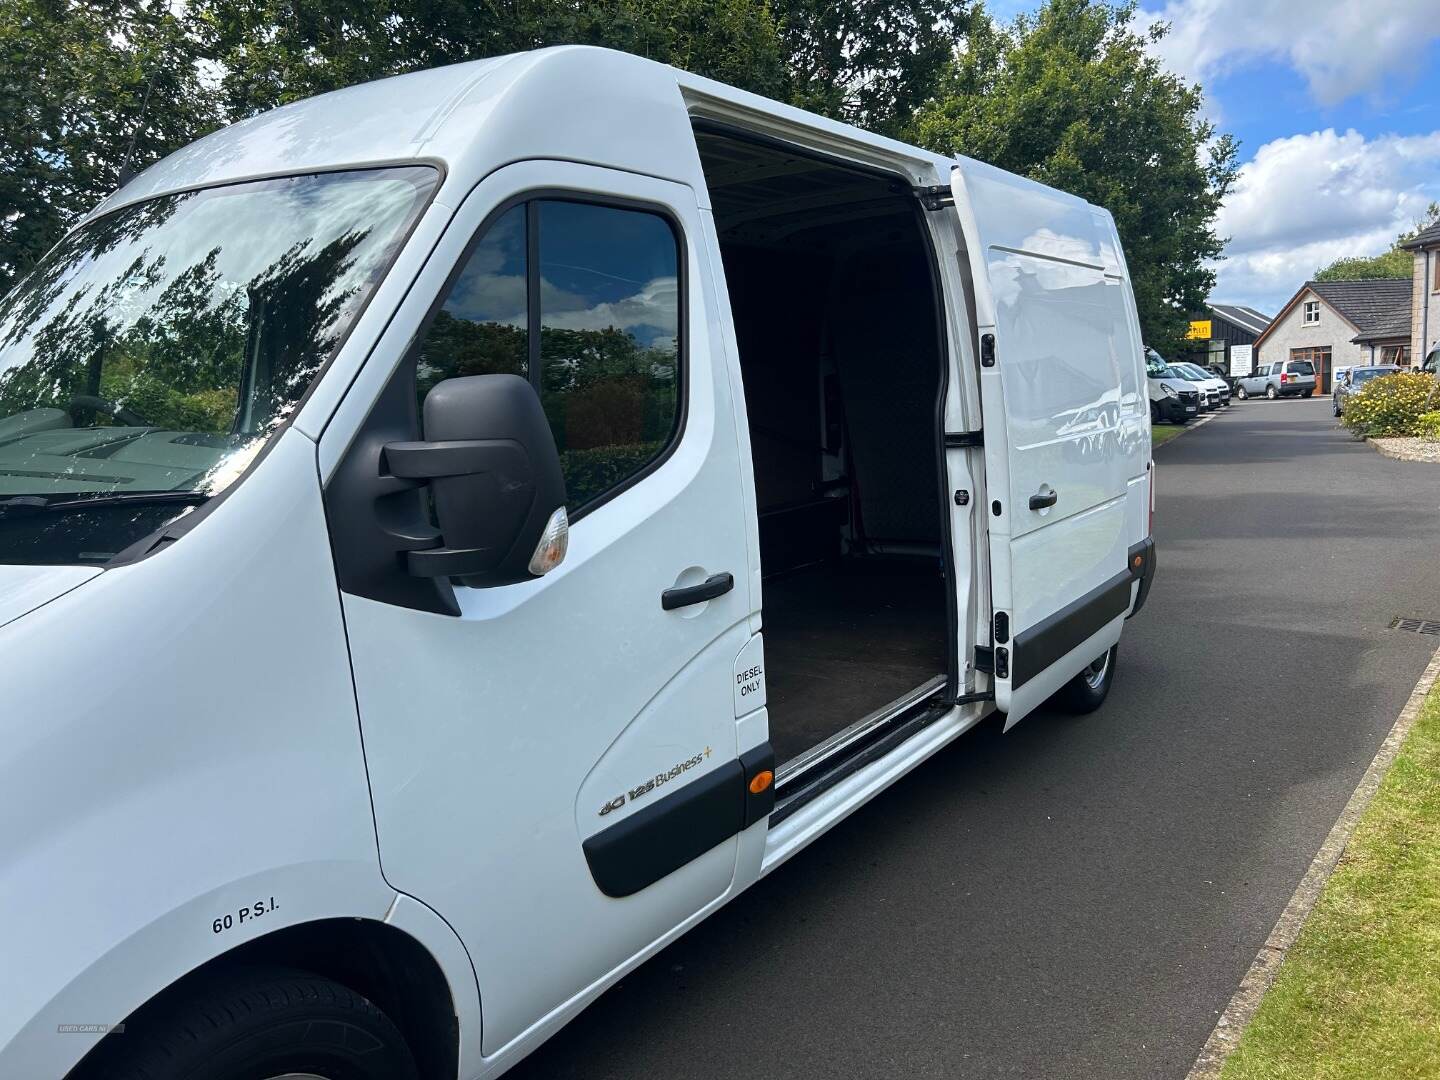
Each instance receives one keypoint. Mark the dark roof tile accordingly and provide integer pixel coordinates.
(1425, 237)
(1243, 317)
(1379, 307)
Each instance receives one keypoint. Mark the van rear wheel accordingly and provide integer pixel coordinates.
(257, 1024)
(1087, 691)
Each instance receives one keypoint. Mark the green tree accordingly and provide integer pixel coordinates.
(73, 75)
(275, 51)
(1073, 97)
(1395, 263)
(870, 62)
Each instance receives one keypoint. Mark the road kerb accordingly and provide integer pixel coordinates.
(1246, 1000)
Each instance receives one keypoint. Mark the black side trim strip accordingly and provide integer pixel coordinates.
(669, 833)
(1039, 646)
(1145, 571)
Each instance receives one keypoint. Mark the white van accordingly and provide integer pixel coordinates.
(458, 532)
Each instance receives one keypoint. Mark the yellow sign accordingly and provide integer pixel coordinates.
(1199, 330)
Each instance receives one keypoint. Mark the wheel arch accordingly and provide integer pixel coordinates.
(382, 962)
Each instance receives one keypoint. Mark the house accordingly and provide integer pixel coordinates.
(1425, 291)
(1218, 329)
(1340, 324)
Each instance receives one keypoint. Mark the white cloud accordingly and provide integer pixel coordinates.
(1308, 199)
(654, 307)
(1341, 47)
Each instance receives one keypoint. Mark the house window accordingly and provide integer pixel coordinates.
(1436, 285)
(1395, 354)
(1312, 312)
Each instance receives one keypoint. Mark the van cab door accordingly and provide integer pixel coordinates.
(553, 763)
(1065, 426)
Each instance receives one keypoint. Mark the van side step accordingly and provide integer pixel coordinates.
(802, 778)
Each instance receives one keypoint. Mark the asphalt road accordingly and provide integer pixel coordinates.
(1080, 898)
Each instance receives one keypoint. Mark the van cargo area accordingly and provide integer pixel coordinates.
(835, 314)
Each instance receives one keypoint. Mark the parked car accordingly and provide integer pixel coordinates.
(339, 682)
(1172, 398)
(1281, 378)
(1352, 379)
(1217, 390)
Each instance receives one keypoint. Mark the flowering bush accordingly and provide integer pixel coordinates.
(1389, 405)
(1428, 426)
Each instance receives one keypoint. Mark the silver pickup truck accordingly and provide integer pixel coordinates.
(1281, 378)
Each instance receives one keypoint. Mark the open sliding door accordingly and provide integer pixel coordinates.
(1056, 342)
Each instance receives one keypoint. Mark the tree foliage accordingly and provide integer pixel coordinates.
(1073, 97)
(276, 51)
(870, 62)
(1394, 263)
(73, 75)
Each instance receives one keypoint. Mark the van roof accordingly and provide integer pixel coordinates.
(572, 102)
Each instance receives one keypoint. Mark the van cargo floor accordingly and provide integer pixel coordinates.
(843, 639)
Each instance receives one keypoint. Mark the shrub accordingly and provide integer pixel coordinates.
(1428, 426)
(1389, 405)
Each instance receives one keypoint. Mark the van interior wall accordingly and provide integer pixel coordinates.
(836, 327)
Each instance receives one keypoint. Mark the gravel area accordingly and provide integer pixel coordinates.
(1408, 449)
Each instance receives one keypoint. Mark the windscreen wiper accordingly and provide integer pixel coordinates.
(128, 498)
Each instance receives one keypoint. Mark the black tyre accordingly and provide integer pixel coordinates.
(1154, 413)
(1241, 392)
(1087, 691)
(1271, 393)
(1306, 393)
(254, 1025)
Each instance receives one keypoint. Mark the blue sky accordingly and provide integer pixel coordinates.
(1336, 104)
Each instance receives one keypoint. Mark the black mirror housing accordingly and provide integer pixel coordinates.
(494, 476)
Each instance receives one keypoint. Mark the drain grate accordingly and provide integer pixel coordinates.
(1415, 626)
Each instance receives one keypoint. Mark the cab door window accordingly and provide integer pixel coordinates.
(583, 299)
(481, 328)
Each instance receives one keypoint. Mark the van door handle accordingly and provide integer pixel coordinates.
(1040, 502)
(685, 595)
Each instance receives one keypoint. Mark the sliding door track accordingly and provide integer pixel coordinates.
(802, 778)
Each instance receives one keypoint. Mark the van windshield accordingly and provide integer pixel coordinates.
(148, 357)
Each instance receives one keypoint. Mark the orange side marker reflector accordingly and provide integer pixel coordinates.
(1138, 561)
(760, 781)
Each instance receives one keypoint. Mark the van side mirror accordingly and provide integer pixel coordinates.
(495, 482)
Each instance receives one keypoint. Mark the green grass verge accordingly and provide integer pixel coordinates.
(1163, 433)
(1359, 994)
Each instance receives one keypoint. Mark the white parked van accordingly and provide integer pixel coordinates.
(458, 532)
